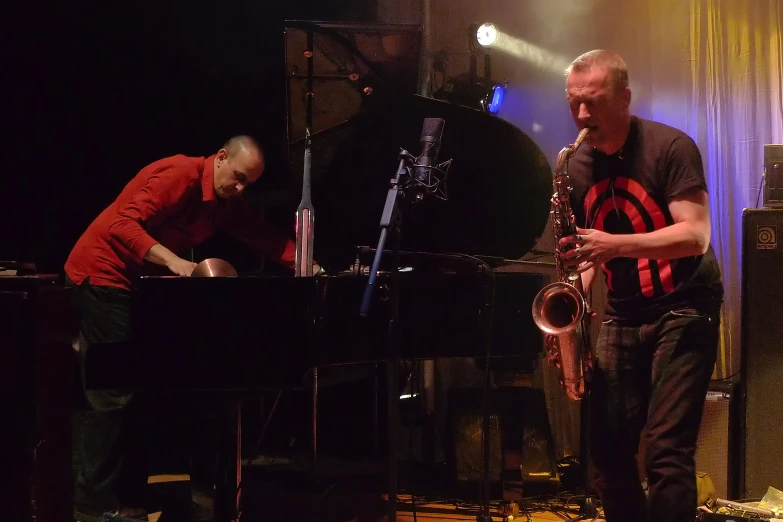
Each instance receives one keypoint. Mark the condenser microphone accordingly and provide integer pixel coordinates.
(431, 133)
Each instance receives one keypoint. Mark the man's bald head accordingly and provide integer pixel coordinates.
(238, 163)
(241, 143)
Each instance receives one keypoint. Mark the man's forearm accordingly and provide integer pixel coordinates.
(160, 255)
(672, 242)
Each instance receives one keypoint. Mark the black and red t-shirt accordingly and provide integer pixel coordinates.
(629, 193)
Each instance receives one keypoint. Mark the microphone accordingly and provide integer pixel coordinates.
(431, 133)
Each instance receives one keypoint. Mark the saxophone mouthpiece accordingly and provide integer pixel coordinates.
(579, 139)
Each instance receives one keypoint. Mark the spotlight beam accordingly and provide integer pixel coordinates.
(488, 35)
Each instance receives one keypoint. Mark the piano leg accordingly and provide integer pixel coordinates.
(315, 423)
(393, 398)
(238, 459)
(228, 486)
(376, 414)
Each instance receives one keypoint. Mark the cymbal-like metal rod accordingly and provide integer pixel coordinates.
(305, 220)
(305, 214)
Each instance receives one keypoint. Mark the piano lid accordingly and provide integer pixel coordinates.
(499, 182)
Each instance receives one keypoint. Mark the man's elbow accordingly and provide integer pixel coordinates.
(703, 246)
(701, 242)
(122, 226)
(121, 232)
(114, 230)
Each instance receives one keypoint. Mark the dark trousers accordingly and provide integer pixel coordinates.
(109, 469)
(651, 379)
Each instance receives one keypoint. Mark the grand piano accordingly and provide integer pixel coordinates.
(240, 335)
(261, 331)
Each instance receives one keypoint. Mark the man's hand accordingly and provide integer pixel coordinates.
(181, 267)
(590, 248)
(688, 236)
(161, 255)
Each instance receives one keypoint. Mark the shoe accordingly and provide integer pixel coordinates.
(89, 513)
(135, 515)
(82, 516)
(201, 513)
(202, 506)
(124, 514)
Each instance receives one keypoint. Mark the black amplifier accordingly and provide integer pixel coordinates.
(773, 176)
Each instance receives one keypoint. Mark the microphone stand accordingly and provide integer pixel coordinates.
(390, 220)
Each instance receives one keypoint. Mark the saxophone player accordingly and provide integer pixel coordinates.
(640, 200)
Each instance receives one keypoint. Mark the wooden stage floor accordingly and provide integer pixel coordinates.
(355, 505)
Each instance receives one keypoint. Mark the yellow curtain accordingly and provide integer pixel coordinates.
(716, 73)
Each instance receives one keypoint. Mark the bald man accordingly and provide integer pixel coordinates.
(169, 207)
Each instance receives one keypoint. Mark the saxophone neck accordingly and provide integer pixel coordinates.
(566, 153)
(562, 158)
(580, 138)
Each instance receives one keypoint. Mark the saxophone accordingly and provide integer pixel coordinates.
(559, 308)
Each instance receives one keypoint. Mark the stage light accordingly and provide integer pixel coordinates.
(495, 98)
(474, 92)
(487, 34)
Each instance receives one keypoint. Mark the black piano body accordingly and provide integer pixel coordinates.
(261, 332)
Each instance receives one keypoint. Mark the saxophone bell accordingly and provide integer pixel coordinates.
(558, 308)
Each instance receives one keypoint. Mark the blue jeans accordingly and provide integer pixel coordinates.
(652, 379)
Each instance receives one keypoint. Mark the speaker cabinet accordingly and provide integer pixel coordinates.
(717, 448)
(466, 422)
(762, 350)
(521, 447)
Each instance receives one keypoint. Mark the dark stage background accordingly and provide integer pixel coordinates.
(94, 91)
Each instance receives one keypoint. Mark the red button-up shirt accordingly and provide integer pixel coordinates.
(172, 202)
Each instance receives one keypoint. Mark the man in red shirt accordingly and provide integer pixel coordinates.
(169, 207)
